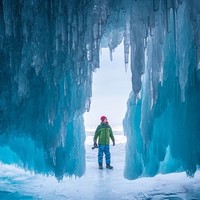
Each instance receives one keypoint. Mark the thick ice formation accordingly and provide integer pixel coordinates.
(48, 52)
(162, 121)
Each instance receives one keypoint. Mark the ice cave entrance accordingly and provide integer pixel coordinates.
(110, 91)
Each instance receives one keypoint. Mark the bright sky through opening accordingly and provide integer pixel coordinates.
(110, 90)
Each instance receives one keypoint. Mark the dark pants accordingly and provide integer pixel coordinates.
(104, 149)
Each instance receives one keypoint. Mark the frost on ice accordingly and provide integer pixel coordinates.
(49, 51)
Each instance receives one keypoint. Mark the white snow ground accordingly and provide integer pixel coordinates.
(98, 184)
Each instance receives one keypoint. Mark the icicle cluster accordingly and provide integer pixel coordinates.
(162, 121)
(48, 52)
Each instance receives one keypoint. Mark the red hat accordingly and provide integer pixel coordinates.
(103, 118)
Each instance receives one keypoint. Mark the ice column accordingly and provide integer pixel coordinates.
(161, 123)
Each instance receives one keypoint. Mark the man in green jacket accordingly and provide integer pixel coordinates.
(104, 133)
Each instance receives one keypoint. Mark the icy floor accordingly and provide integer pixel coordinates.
(98, 184)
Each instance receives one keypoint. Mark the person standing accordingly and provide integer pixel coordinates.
(103, 133)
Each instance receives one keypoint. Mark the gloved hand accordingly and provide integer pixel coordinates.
(95, 144)
(113, 143)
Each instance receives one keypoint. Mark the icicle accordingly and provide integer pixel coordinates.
(104, 11)
(95, 31)
(156, 5)
(7, 11)
(95, 35)
(126, 40)
(111, 56)
(89, 52)
(168, 19)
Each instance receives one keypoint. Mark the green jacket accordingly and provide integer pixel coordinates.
(104, 133)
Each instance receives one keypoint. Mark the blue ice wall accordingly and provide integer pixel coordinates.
(48, 52)
(162, 121)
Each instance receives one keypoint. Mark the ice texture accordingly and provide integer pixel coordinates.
(48, 53)
(162, 121)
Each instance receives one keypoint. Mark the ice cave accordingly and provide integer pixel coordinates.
(49, 51)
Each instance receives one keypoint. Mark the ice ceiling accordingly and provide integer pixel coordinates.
(48, 53)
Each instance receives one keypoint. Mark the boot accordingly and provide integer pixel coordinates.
(100, 166)
(109, 167)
